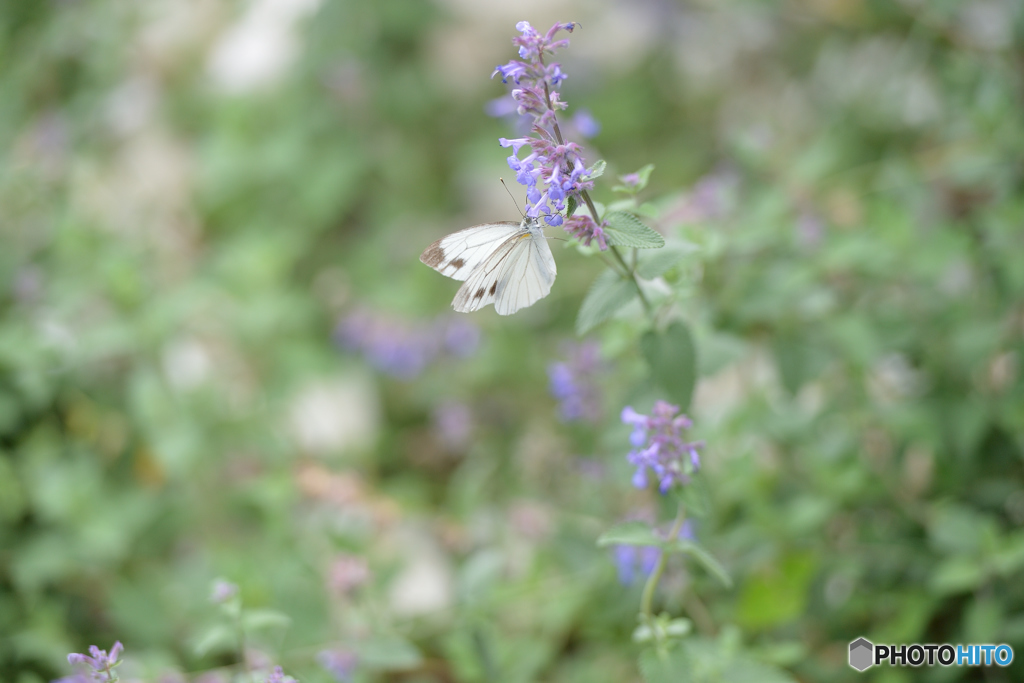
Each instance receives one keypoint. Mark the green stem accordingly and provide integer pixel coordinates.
(593, 212)
(631, 272)
(647, 598)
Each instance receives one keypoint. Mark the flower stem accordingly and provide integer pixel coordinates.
(652, 581)
(593, 209)
(636, 282)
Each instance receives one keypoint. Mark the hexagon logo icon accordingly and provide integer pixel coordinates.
(861, 654)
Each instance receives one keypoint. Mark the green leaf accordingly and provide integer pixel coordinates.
(672, 358)
(664, 666)
(389, 653)
(572, 205)
(260, 619)
(958, 575)
(656, 263)
(686, 547)
(695, 497)
(217, 638)
(629, 533)
(607, 295)
(626, 230)
(597, 170)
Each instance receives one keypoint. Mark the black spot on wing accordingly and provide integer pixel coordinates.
(494, 287)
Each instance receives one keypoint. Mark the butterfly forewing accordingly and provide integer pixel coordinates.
(457, 255)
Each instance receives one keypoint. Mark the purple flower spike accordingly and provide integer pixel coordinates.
(574, 383)
(554, 169)
(401, 348)
(659, 447)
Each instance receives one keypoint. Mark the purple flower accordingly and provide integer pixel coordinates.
(99, 667)
(630, 179)
(809, 229)
(574, 383)
(277, 676)
(632, 558)
(453, 423)
(583, 228)
(347, 573)
(554, 170)
(461, 338)
(339, 663)
(659, 447)
(586, 124)
(222, 591)
(403, 349)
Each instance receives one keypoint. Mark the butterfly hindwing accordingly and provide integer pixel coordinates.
(525, 276)
(481, 287)
(457, 255)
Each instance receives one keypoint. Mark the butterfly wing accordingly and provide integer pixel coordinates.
(526, 275)
(482, 285)
(459, 254)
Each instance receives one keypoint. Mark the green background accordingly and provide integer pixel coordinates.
(193, 193)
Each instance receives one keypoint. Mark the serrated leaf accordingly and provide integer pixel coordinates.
(687, 547)
(672, 358)
(217, 638)
(606, 297)
(597, 170)
(626, 230)
(658, 262)
(629, 533)
(572, 206)
(259, 619)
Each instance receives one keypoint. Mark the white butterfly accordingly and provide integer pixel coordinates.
(507, 264)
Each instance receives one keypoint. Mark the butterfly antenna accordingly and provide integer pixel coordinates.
(513, 198)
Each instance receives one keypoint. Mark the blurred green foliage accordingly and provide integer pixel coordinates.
(179, 237)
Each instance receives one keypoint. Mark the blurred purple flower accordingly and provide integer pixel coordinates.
(658, 446)
(403, 349)
(461, 337)
(630, 179)
(222, 591)
(574, 383)
(809, 229)
(554, 169)
(277, 676)
(453, 422)
(631, 558)
(708, 199)
(97, 666)
(347, 573)
(586, 124)
(339, 663)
